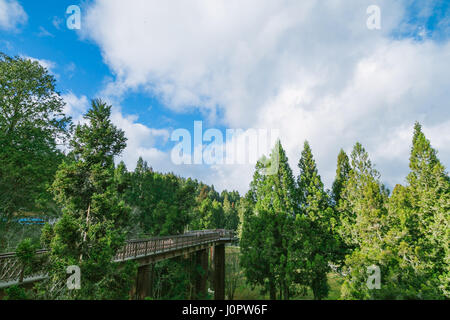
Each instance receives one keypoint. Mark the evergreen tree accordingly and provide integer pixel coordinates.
(245, 208)
(161, 203)
(91, 229)
(267, 227)
(230, 214)
(401, 241)
(423, 211)
(218, 217)
(342, 176)
(364, 226)
(312, 244)
(208, 215)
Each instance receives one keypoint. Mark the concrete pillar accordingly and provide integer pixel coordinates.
(201, 259)
(143, 282)
(219, 272)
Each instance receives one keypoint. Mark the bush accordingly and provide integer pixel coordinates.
(15, 293)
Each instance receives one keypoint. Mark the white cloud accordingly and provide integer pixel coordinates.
(309, 68)
(141, 139)
(75, 106)
(11, 15)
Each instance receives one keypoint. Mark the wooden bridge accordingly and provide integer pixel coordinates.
(146, 252)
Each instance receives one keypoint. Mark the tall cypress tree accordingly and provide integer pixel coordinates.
(402, 242)
(342, 176)
(267, 227)
(364, 225)
(312, 244)
(429, 187)
(92, 227)
(343, 170)
(419, 226)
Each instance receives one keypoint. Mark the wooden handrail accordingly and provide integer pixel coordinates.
(133, 249)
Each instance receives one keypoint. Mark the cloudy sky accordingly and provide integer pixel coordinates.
(311, 69)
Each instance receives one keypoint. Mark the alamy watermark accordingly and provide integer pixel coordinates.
(239, 147)
(374, 20)
(73, 21)
(374, 279)
(74, 280)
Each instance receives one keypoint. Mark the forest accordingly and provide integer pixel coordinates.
(61, 189)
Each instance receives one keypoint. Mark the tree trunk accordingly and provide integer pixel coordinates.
(286, 291)
(85, 232)
(272, 290)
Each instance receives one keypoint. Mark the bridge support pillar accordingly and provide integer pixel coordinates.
(143, 283)
(219, 272)
(201, 259)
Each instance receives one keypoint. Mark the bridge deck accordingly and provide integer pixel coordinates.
(144, 251)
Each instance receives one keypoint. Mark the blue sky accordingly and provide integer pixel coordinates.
(77, 63)
(312, 70)
(60, 45)
(432, 16)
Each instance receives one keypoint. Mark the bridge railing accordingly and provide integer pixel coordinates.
(225, 234)
(138, 248)
(11, 269)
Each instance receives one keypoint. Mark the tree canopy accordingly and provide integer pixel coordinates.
(32, 125)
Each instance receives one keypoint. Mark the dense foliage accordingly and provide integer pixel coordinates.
(94, 217)
(293, 232)
(31, 126)
(269, 225)
(357, 229)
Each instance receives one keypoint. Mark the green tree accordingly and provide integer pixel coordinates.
(230, 214)
(218, 217)
(32, 123)
(312, 244)
(267, 227)
(161, 203)
(233, 275)
(26, 254)
(15, 293)
(245, 209)
(430, 191)
(203, 216)
(91, 229)
(364, 227)
(420, 212)
(342, 176)
(402, 241)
